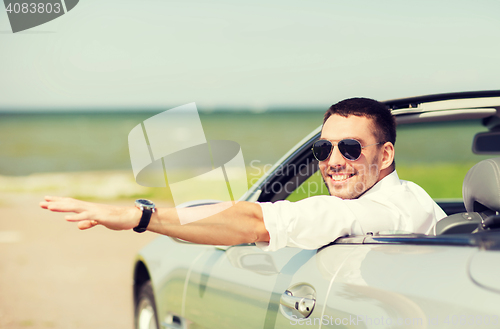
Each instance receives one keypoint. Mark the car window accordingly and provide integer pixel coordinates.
(436, 156)
(312, 186)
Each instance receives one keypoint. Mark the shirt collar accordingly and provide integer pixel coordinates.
(390, 180)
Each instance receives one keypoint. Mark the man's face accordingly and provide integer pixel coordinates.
(344, 178)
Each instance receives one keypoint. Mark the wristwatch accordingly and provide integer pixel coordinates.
(148, 208)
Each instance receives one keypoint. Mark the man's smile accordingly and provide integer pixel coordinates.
(340, 177)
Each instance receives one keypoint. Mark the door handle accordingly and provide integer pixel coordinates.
(303, 305)
(173, 322)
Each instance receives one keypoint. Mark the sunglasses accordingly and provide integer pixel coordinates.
(349, 148)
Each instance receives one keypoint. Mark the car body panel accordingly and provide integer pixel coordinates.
(384, 284)
(352, 281)
(222, 295)
(167, 276)
(485, 279)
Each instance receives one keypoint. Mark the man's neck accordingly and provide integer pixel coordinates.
(385, 172)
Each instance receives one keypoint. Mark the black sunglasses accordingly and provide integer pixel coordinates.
(349, 148)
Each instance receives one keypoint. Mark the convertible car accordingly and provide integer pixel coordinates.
(450, 279)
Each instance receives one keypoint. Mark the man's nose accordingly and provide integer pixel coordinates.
(336, 159)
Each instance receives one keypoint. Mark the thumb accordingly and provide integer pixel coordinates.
(86, 224)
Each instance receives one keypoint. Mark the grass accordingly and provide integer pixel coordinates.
(440, 180)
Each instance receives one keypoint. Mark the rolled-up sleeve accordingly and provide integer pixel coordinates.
(317, 221)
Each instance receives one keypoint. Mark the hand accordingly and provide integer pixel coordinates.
(89, 214)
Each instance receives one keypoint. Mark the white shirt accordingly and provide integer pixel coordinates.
(390, 205)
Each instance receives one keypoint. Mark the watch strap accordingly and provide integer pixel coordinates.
(144, 222)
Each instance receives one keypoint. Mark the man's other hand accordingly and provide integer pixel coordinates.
(89, 214)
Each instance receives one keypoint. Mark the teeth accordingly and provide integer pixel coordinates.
(340, 177)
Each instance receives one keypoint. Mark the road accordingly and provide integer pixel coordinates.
(53, 275)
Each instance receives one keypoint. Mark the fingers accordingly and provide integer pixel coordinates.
(49, 199)
(83, 220)
(45, 204)
(64, 207)
(86, 224)
(54, 198)
(79, 208)
(60, 204)
(78, 217)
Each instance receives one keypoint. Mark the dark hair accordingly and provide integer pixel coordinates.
(385, 124)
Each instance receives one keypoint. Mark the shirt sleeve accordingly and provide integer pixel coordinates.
(319, 220)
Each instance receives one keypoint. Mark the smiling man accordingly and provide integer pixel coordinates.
(356, 159)
(363, 132)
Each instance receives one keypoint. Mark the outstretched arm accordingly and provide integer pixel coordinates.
(240, 223)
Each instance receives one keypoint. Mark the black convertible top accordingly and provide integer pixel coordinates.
(410, 102)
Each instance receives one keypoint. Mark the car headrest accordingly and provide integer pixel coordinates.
(481, 188)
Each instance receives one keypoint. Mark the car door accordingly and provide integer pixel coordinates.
(241, 287)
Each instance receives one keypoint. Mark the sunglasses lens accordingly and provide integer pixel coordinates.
(350, 149)
(321, 149)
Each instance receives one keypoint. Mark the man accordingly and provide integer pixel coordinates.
(356, 159)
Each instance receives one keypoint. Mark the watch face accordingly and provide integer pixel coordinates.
(144, 203)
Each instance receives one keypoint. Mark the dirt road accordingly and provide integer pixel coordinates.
(53, 275)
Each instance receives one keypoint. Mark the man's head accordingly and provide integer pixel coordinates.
(370, 123)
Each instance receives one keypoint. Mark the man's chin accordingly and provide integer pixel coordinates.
(346, 189)
(345, 196)
(343, 192)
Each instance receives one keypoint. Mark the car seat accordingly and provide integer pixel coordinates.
(481, 194)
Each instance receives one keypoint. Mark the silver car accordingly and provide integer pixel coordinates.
(380, 280)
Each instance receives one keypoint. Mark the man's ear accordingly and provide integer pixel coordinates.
(387, 155)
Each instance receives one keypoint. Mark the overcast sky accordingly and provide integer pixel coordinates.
(152, 53)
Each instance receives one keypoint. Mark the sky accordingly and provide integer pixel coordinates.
(123, 54)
